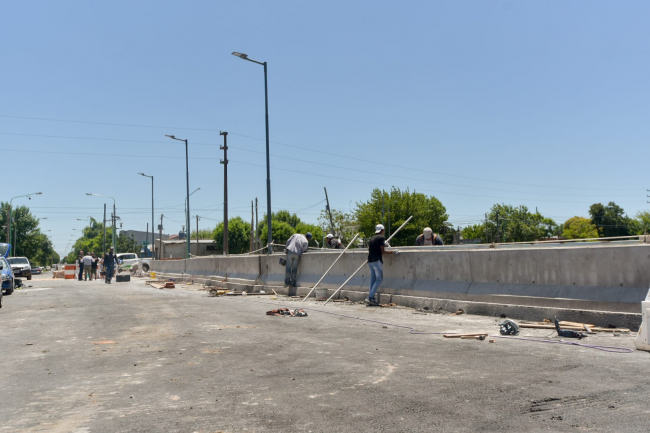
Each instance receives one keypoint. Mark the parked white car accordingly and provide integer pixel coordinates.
(128, 259)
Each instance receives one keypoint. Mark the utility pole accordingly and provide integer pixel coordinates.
(486, 230)
(8, 224)
(224, 161)
(257, 239)
(197, 235)
(15, 246)
(159, 252)
(329, 211)
(114, 228)
(252, 230)
(104, 243)
(382, 207)
(146, 254)
(498, 228)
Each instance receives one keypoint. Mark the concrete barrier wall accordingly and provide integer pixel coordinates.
(609, 278)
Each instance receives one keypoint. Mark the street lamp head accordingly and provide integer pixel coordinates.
(39, 193)
(240, 55)
(170, 136)
(142, 174)
(89, 193)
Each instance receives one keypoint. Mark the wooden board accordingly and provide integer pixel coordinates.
(476, 334)
(571, 328)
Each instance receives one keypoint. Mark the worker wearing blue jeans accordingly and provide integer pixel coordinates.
(296, 246)
(375, 263)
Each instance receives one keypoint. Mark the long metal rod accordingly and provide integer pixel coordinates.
(330, 268)
(364, 263)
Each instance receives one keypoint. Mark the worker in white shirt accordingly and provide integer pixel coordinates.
(296, 246)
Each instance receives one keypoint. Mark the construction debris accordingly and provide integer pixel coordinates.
(217, 292)
(542, 325)
(392, 304)
(508, 327)
(167, 285)
(476, 334)
(457, 313)
(287, 312)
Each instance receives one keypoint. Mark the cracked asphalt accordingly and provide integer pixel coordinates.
(89, 357)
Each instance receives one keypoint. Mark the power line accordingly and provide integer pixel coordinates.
(313, 150)
(312, 174)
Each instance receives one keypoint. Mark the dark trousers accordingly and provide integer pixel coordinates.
(81, 271)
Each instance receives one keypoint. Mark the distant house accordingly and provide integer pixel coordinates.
(177, 248)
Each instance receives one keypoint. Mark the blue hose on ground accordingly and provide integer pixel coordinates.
(411, 329)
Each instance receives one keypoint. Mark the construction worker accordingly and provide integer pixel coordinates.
(375, 262)
(428, 238)
(296, 246)
(332, 242)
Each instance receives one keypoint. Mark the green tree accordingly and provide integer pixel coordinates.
(345, 226)
(610, 220)
(282, 231)
(579, 228)
(394, 207)
(507, 223)
(92, 240)
(205, 233)
(476, 231)
(239, 236)
(643, 217)
(287, 217)
(30, 241)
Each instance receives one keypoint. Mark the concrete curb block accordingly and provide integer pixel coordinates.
(516, 312)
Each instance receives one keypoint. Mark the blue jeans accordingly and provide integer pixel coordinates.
(376, 277)
(109, 272)
(291, 270)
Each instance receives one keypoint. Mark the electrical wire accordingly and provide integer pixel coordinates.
(330, 154)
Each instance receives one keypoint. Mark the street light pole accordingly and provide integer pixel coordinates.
(187, 178)
(268, 159)
(114, 214)
(152, 232)
(224, 161)
(187, 228)
(9, 218)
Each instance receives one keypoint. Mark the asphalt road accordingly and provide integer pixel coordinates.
(88, 357)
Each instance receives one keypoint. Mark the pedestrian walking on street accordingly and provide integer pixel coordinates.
(376, 263)
(110, 259)
(296, 246)
(80, 261)
(88, 267)
(94, 266)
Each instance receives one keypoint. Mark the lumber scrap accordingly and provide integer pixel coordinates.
(572, 328)
(475, 334)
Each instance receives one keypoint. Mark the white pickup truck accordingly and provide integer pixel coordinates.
(128, 259)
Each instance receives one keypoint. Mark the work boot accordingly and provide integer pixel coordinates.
(371, 302)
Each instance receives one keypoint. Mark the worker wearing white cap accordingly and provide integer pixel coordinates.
(332, 242)
(375, 263)
(428, 238)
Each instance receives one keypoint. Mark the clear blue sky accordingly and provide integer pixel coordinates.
(539, 103)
